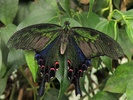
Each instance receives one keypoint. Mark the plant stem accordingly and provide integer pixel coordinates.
(90, 7)
(12, 92)
(32, 86)
(110, 10)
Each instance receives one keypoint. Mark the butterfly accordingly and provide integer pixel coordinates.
(78, 44)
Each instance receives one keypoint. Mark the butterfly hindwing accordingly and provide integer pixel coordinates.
(47, 60)
(34, 37)
(94, 43)
(77, 63)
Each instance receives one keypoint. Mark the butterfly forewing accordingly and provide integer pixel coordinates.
(94, 43)
(35, 37)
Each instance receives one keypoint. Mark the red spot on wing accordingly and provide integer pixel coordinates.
(56, 64)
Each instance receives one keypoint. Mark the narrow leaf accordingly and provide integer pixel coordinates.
(29, 55)
(61, 75)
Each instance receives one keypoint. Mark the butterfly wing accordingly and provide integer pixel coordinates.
(34, 37)
(77, 63)
(94, 43)
(84, 44)
(48, 62)
(79, 45)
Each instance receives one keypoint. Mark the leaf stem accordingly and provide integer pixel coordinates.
(90, 7)
(115, 30)
(110, 10)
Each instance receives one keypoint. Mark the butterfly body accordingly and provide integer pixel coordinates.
(78, 44)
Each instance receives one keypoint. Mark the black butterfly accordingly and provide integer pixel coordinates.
(78, 44)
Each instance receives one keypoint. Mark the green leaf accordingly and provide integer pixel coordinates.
(91, 6)
(118, 15)
(129, 29)
(108, 27)
(123, 17)
(129, 90)
(7, 32)
(2, 66)
(8, 10)
(3, 82)
(126, 18)
(52, 94)
(117, 83)
(91, 21)
(108, 62)
(117, 3)
(61, 75)
(15, 60)
(48, 5)
(37, 16)
(84, 83)
(103, 96)
(2, 70)
(23, 11)
(30, 59)
(126, 46)
(4, 50)
(100, 6)
(96, 62)
(0, 59)
(3, 61)
(128, 13)
(65, 6)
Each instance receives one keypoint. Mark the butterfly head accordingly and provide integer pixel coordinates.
(66, 26)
